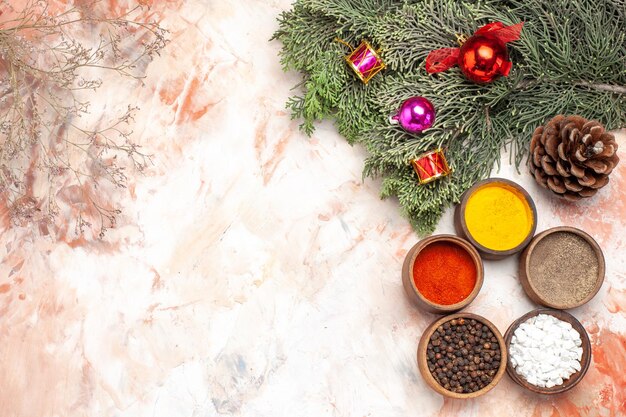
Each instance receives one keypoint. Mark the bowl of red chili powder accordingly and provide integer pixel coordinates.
(442, 273)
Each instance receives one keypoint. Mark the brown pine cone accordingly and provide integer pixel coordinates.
(572, 156)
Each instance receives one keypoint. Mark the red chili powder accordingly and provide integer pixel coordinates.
(444, 273)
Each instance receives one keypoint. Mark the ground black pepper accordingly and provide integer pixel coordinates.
(563, 268)
(463, 355)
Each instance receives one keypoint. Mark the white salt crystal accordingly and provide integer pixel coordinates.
(534, 333)
(545, 350)
(564, 325)
(568, 344)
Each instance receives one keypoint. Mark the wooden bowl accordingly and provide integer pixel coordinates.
(526, 278)
(461, 226)
(423, 364)
(409, 284)
(584, 362)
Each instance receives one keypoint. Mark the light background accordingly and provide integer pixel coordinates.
(254, 273)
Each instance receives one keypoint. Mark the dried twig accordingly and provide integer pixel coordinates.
(45, 63)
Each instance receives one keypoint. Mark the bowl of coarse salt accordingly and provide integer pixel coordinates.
(549, 351)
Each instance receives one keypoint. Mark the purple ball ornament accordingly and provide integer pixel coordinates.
(415, 115)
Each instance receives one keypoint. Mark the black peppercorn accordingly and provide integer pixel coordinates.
(463, 355)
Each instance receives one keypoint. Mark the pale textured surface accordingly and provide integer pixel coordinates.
(255, 274)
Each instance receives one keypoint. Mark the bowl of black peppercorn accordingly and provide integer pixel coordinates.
(462, 355)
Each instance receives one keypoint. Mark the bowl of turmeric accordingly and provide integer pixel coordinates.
(497, 216)
(442, 274)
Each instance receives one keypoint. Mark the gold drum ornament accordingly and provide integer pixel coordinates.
(365, 61)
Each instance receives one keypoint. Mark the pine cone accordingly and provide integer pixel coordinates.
(572, 156)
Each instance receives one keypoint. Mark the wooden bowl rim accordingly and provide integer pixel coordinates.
(423, 364)
(499, 254)
(596, 249)
(480, 271)
(576, 377)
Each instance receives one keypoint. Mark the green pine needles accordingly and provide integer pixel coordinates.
(571, 59)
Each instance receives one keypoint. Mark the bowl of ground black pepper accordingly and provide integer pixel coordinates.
(442, 273)
(562, 268)
(462, 355)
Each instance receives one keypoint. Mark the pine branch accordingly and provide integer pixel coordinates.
(571, 58)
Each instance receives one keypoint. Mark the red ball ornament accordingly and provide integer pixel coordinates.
(483, 59)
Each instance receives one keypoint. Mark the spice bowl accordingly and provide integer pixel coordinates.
(474, 362)
(497, 216)
(442, 274)
(562, 268)
(575, 377)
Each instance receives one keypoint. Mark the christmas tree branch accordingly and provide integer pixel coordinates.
(571, 59)
(618, 89)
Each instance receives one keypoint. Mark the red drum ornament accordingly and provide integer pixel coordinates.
(482, 58)
(431, 166)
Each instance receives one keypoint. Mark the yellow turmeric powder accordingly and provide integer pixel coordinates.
(498, 216)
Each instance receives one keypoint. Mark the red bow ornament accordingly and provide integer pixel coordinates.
(483, 57)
